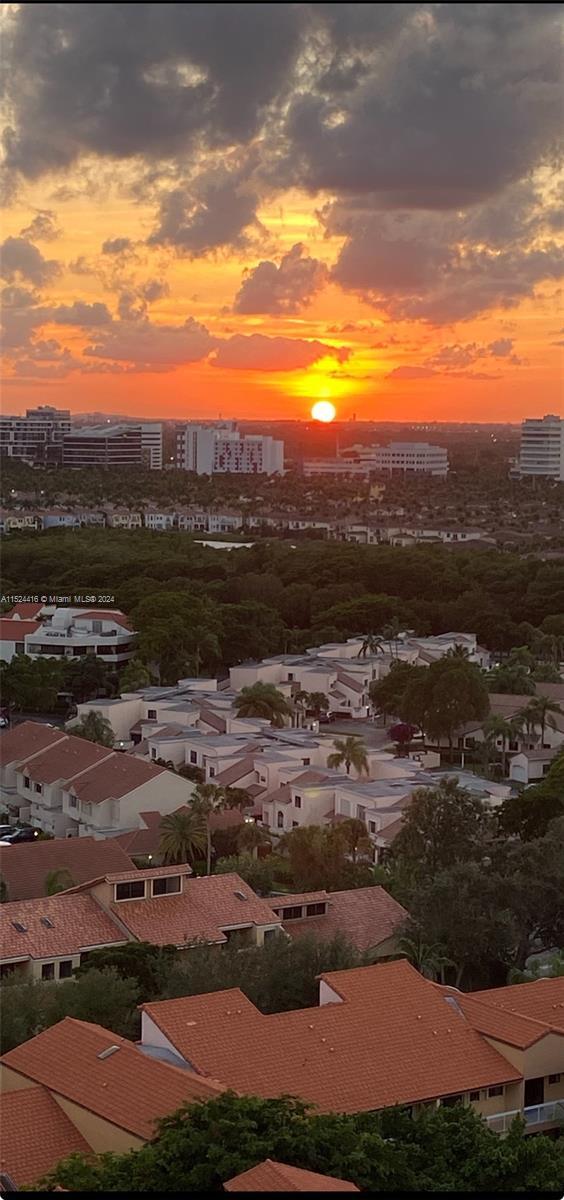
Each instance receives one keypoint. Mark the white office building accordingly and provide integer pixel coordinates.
(222, 449)
(36, 438)
(152, 443)
(409, 458)
(542, 447)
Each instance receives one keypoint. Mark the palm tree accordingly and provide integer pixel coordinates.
(356, 836)
(183, 836)
(539, 711)
(95, 728)
(317, 703)
(429, 959)
(390, 635)
(496, 727)
(59, 880)
(300, 701)
(263, 700)
(350, 751)
(250, 837)
(208, 799)
(372, 643)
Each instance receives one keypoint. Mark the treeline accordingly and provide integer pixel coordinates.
(205, 609)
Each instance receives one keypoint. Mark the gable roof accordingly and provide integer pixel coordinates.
(24, 611)
(25, 739)
(54, 927)
(106, 614)
(241, 768)
(66, 758)
(213, 720)
(542, 1000)
(26, 865)
(366, 916)
(206, 906)
(36, 1135)
(501, 1025)
(16, 631)
(127, 1088)
(414, 1047)
(115, 776)
(270, 1176)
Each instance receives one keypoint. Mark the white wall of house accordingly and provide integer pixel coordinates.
(122, 714)
(165, 793)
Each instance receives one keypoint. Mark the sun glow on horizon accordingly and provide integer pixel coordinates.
(324, 411)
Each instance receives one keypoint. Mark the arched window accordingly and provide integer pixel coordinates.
(280, 820)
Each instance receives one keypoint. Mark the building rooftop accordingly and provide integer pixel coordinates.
(126, 1087)
(208, 905)
(26, 865)
(28, 738)
(542, 1000)
(36, 1135)
(414, 1046)
(365, 916)
(117, 775)
(55, 927)
(68, 757)
(16, 631)
(270, 1176)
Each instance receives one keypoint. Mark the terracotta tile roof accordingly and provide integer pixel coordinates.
(68, 757)
(131, 874)
(206, 906)
(244, 766)
(25, 612)
(270, 1176)
(366, 916)
(75, 923)
(16, 631)
(389, 832)
(26, 739)
(279, 902)
(25, 866)
(309, 778)
(127, 1088)
(213, 720)
(542, 1001)
(496, 1023)
(34, 1135)
(414, 1047)
(349, 681)
(117, 775)
(281, 795)
(106, 614)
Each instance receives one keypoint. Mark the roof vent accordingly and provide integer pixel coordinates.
(453, 1002)
(241, 896)
(20, 928)
(108, 1052)
(47, 923)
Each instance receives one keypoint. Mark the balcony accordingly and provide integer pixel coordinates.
(535, 1118)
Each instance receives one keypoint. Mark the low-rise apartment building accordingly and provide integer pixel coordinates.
(68, 633)
(26, 867)
(381, 1036)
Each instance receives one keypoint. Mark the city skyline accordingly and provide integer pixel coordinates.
(249, 209)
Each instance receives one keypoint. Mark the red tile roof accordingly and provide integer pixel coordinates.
(281, 795)
(127, 1088)
(75, 923)
(498, 1024)
(206, 907)
(34, 1135)
(349, 681)
(270, 1176)
(25, 612)
(213, 720)
(26, 865)
(280, 902)
(413, 1047)
(147, 841)
(68, 757)
(309, 778)
(244, 766)
(16, 631)
(117, 775)
(20, 742)
(366, 916)
(542, 1001)
(106, 614)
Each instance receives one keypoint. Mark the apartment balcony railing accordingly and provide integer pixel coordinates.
(534, 1117)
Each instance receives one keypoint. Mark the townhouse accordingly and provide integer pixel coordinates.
(80, 1087)
(368, 917)
(509, 707)
(68, 786)
(26, 867)
(381, 1036)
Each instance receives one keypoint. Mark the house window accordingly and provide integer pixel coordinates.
(297, 801)
(280, 820)
(65, 968)
(495, 1091)
(212, 772)
(48, 971)
(20, 648)
(73, 802)
(153, 752)
(290, 677)
(295, 824)
(151, 714)
(134, 889)
(554, 1078)
(269, 934)
(27, 782)
(39, 788)
(315, 910)
(450, 1101)
(474, 1096)
(372, 826)
(166, 885)
(293, 913)
(306, 761)
(193, 757)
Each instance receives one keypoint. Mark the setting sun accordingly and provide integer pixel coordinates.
(324, 411)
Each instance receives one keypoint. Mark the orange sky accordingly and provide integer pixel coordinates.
(501, 363)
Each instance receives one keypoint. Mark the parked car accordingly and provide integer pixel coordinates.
(19, 835)
(6, 829)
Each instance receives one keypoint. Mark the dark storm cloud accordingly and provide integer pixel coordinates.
(283, 289)
(216, 209)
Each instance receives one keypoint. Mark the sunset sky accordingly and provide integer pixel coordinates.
(241, 209)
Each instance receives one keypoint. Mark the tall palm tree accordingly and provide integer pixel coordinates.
(390, 635)
(263, 700)
(250, 837)
(350, 751)
(539, 712)
(183, 836)
(496, 727)
(356, 837)
(372, 643)
(206, 800)
(94, 728)
(429, 959)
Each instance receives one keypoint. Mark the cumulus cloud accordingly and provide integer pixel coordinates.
(457, 360)
(21, 259)
(43, 227)
(81, 313)
(142, 342)
(283, 289)
(215, 209)
(256, 352)
(116, 245)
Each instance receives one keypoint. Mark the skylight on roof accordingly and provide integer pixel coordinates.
(20, 928)
(47, 923)
(240, 895)
(108, 1052)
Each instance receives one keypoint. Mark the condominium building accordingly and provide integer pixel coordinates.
(542, 447)
(66, 633)
(222, 449)
(114, 446)
(38, 437)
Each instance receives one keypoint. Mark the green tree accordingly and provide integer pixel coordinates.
(263, 700)
(511, 678)
(455, 693)
(58, 880)
(372, 643)
(529, 813)
(540, 712)
(134, 676)
(495, 726)
(31, 685)
(147, 965)
(183, 836)
(442, 826)
(349, 752)
(86, 677)
(356, 838)
(387, 694)
(318, 858)
(429, 959)
(100, 996)
(257, 872)
(94, 728)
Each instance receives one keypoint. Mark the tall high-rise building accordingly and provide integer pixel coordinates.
(222, 449)
(36, 438)
(152, 443)
(542, 447)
